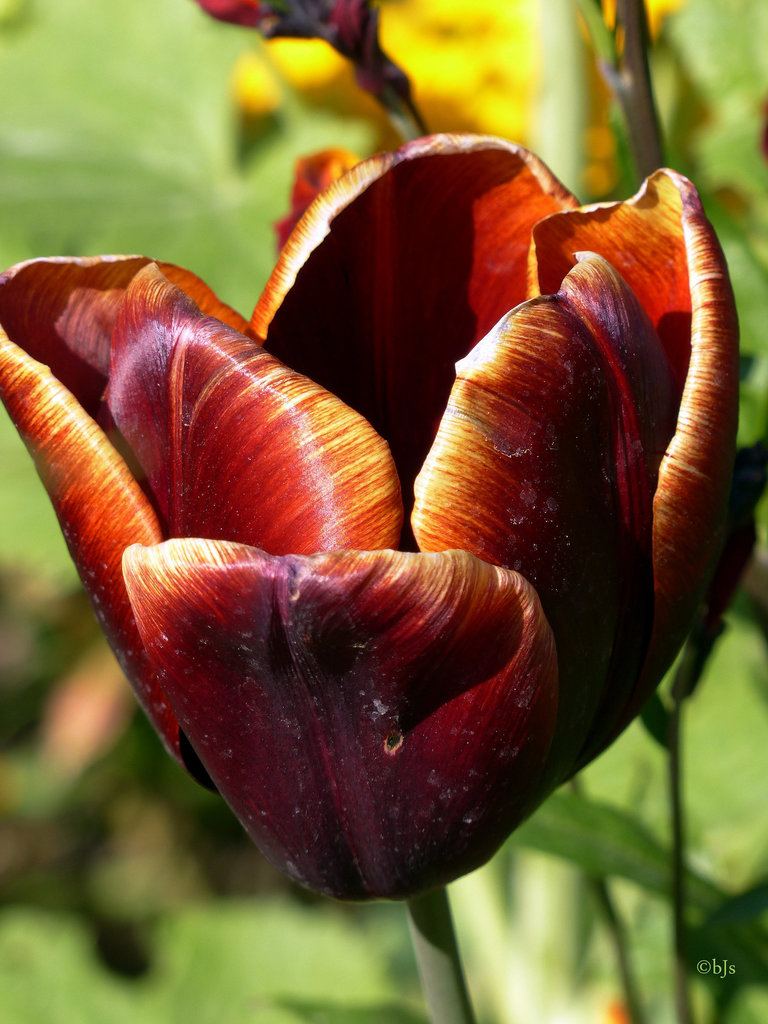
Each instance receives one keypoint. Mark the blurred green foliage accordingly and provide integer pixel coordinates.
(128, 893)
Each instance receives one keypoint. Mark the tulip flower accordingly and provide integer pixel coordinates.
(395, 557)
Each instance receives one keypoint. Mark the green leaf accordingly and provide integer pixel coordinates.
(271, 962)
(744, 907)
(329, 1013)
(49, 974)
(604, 842)
(655, 718)
(215, 963)
(122, 136)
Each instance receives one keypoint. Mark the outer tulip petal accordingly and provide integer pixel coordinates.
(690, 504)
(100, 507)
(377, 720)
(666, 249)
(398, 269)
(61, 311)
(234, 444)
(546, 462)
(644, 239)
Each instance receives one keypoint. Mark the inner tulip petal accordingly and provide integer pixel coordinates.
(377, 720)
(398, 269)
(546, 462)
(234, 444)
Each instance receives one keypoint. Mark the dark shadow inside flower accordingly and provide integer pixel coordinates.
(409, 278)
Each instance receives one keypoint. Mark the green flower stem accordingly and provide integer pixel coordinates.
(685, 676)
(438, 960)
(631, 84)
(618, 936)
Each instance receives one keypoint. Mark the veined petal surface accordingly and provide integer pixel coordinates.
(378, 721)
(234, 444)
(663, 245)
(396, 271)
(100, 507)
(62, 310)
(695, 475)
(546, 462)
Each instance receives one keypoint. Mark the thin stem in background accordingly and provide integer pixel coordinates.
(631, 83)
(562, 110)
(681, 687)
(622, 57)
(438, 960)
(615, 927)
(618, 934)
(404, 116)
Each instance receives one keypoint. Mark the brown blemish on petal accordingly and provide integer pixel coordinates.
(393, 742)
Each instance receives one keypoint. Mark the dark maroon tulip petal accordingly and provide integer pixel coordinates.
(689, 508)
(100, 507)
(234, 444)
(546, 462)
(661, 242)
(61, 311)
(398, 269)
(377, 720)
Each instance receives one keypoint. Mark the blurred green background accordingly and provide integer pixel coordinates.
(126, 892)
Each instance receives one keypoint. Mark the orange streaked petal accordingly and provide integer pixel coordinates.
(62, 310)
(644, 240)
(100, 507)
(377, 720)
(237, 446)
(695, 475)
(397, 269)
(546, 462)
(663, 244)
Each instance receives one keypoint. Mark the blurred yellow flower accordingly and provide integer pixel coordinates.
(473, 67)
(307, 63)
(255, 86)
